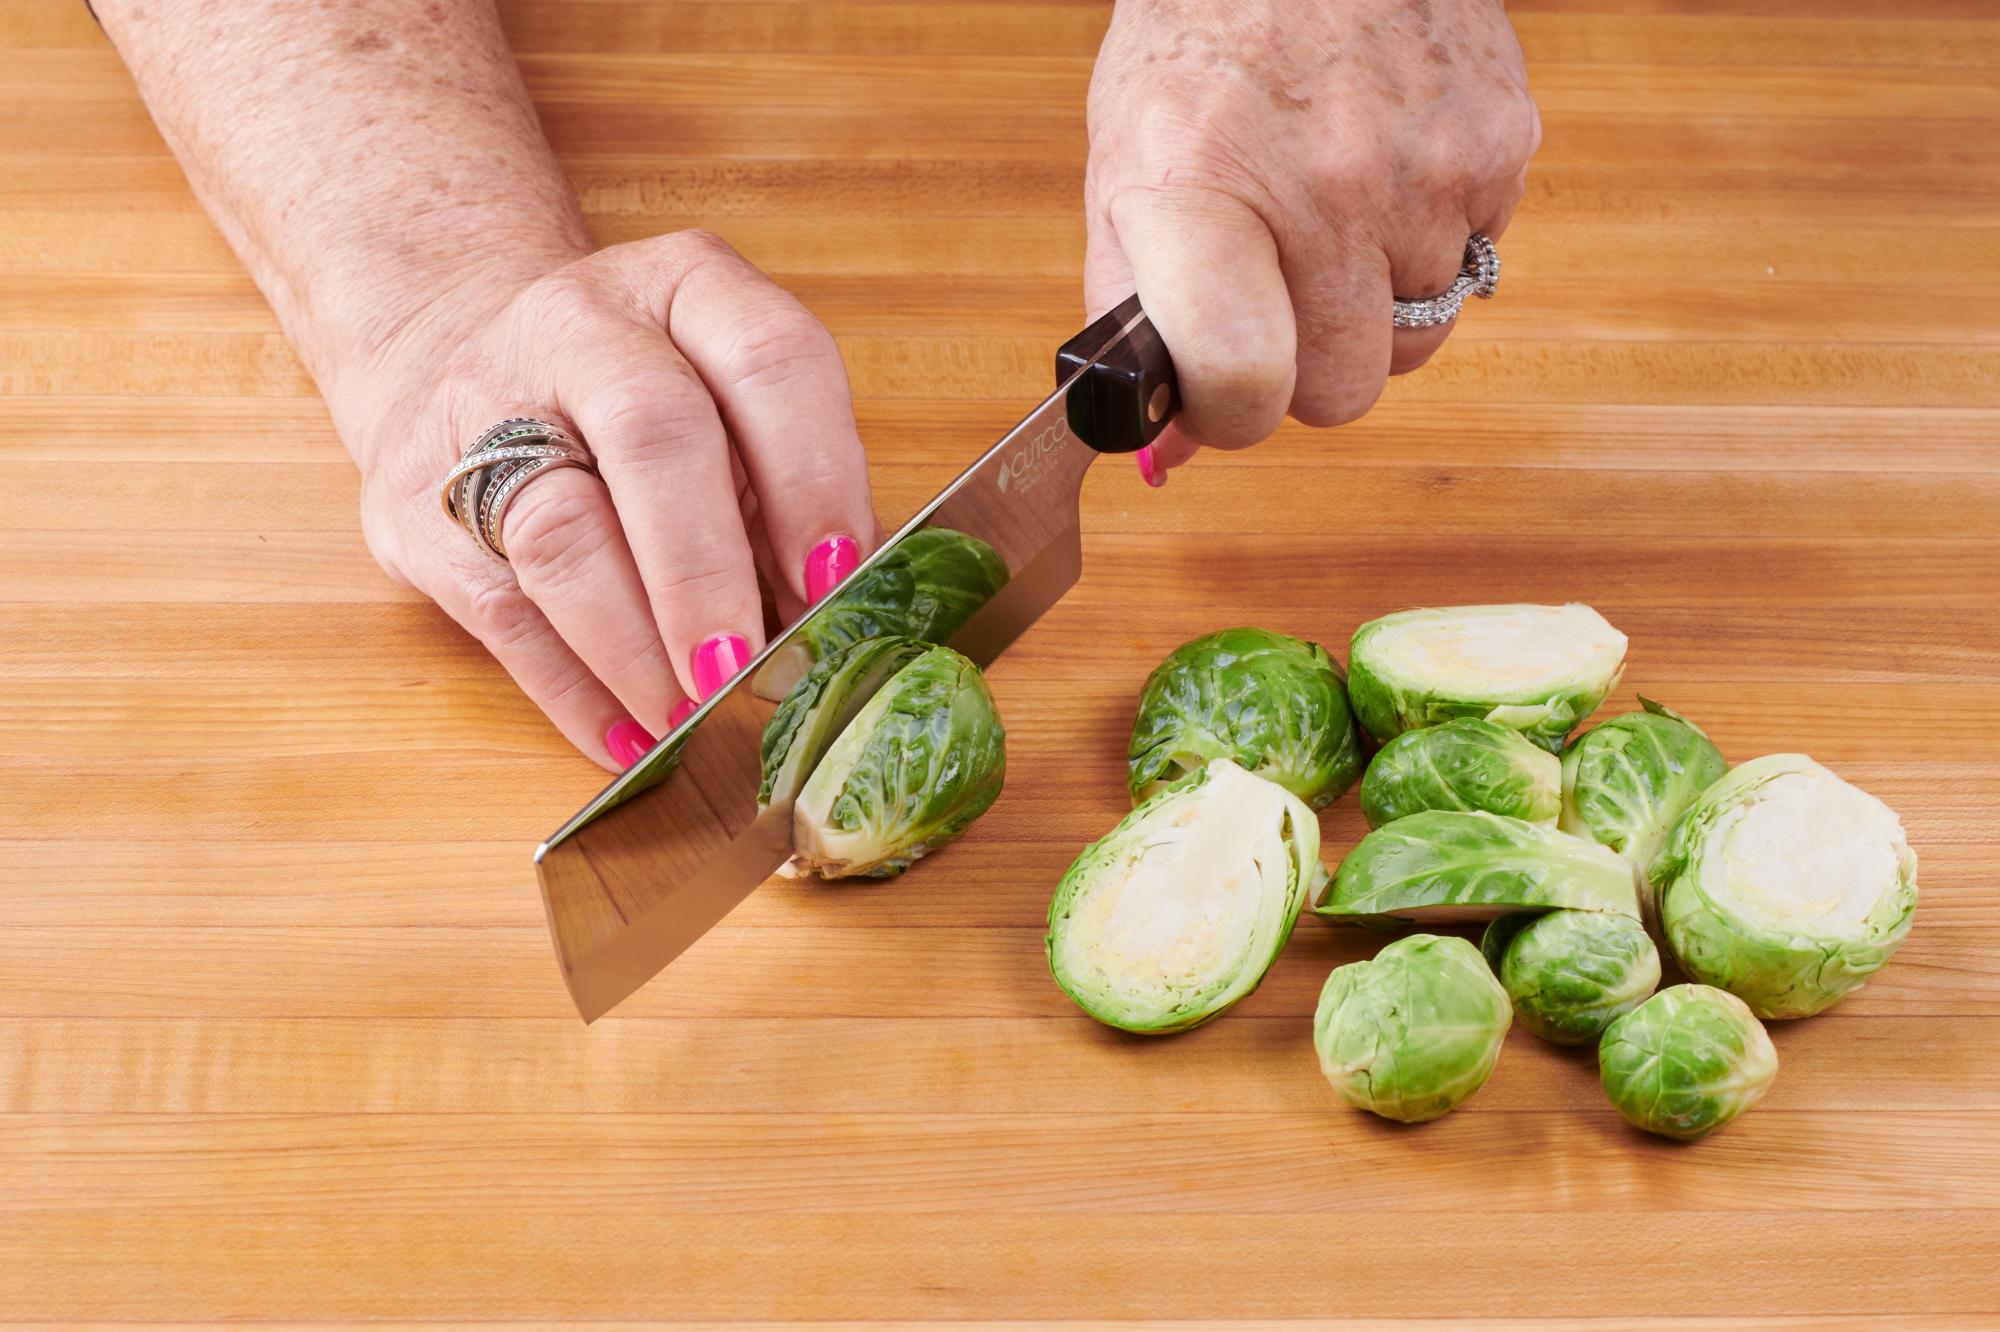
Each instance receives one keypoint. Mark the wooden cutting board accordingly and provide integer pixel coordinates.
(280, 1033)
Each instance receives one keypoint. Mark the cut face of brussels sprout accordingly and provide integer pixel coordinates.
(1624, 783)
(1275, 705)
(819, 708)
(1686, 1061)
(1464, 765)
(923, 759)
(1443, 866)
(1570, 973)
(926, 589)
(1178, 912)
(1412, 1033)
(1536, 669)
(1786, 886)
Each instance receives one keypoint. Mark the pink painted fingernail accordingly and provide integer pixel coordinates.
(1154, 475)
(717, 661)
(628, 742)
(829, 562)
(682, 711)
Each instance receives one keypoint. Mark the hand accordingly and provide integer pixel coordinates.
(718, 412)
(1270, 174)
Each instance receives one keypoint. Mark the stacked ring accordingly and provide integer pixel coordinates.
(1478, 275)
(479, 488)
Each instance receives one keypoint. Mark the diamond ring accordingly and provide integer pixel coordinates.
(478, 489)
(1478, 276)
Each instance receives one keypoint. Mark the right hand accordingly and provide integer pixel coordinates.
(718, 412)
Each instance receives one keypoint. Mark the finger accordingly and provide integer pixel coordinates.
(1108, 280)
(778, 382)
(1341, 292)
(1208, 272)
(1424, 265)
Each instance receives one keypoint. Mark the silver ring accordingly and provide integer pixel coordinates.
(478, 489)
(1478, 276)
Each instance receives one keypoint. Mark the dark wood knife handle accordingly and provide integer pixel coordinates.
(1128, 393)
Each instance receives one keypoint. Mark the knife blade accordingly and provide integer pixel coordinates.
(676, 841)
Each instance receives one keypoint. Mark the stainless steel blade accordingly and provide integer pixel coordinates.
(671, 846)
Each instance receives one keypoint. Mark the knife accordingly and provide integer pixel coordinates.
(677, 840)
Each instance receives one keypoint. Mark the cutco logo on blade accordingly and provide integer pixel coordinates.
(1022, 468)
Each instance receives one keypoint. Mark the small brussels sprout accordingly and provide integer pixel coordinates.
(1444, 865)
(1686, 1062)
(921, 760)
(1500, 932)
(1179, 911)
(1413, 1032)
(1274, 704)
(819, 708)
(926, 588)
(1785, 886)
(1536, 669)
(1570, 973)
(1465, 764)
(1624, 784)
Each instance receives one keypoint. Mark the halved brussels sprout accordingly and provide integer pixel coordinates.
(1274, 704)
(1536, 669)
(1445, 865)
(819, 708)
(1466, 764)
(1625, 782)
(926, 588)
(1785, 886)
(1686, 1062)
(921, 760)
(1570, 973)
(1179, 911)
(1413, 1032)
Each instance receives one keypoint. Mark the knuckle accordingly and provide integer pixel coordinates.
(552, 533)
(697, 244)
(660, 423)
(782, 345)
(500, 615)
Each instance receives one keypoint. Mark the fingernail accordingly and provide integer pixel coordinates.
(717, 661)
(1153, 475)
(830, 561)
(682, 711)
(628, 742)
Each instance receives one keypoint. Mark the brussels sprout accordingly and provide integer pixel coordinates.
(1466, 764)
(926, 588)
(1413, 1032)
(820, 707)
(1686, 1062)
(1570, 973)
(1624, 783)
(1785, 886)
(1537, 669)
(921, 760)
(1180, 910)
(1276, 705)
(1500, 932)
(1444, 865)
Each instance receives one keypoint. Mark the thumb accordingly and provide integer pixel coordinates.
(1207, 270)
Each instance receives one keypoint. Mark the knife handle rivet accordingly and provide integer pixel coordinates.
(1156, 406)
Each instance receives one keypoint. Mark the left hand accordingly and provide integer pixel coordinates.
(1269, 174)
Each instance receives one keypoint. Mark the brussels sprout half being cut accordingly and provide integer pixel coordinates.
(926, 588)
(1442, 866)
(1413, 1032)
(1179, 911)
(819, 708)
(1536, 669)
(1785, 886)
(1274, 704)
(1686, 1062)
(1467, 764)
(1570, 973)
(921, 760)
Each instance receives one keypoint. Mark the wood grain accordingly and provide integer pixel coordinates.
(281, 1037)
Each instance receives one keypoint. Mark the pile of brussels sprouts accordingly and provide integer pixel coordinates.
(1777, 887)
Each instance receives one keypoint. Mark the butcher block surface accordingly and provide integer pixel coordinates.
(281, 1034)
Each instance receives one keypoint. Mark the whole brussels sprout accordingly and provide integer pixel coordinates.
(921, 760)
(1570, 973)
(1467, 764)
(1785, 886)
(1274, 704)
(925, 588)
(1686, 1062)
(1179, 911)
(1625, 782)
(1537, 669)
(820, 707)
(1413, 1032)
(1444, 865)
